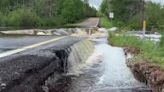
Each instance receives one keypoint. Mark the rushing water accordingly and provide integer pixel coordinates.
(106, 71)
(116, 76)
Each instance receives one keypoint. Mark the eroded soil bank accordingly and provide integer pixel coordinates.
(144, 71)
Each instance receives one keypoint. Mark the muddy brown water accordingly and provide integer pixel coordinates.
(109, 75)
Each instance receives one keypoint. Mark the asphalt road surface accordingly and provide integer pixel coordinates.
(15, 42)
(89, 23)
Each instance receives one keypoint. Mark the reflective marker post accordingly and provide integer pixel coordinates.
(143, 18)
(144, 28)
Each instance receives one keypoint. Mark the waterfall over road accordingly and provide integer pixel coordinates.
(105, 71)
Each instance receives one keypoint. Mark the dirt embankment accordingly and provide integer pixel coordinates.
(149, 73)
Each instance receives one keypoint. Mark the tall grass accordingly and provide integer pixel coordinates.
(150, 51)
(105, 23)
(162, 40)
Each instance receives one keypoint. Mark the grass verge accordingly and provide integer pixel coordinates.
(149, 51)
(105, 23)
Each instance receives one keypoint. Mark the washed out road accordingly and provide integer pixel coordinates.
(15, 42)
(47, 68)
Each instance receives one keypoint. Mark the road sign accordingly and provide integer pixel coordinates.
(111, 15)
(144, 28)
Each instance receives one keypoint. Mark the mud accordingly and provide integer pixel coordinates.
(147, 72)
(131, 50)
(150, 74)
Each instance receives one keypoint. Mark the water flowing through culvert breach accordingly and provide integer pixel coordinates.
(109, 75)
(116, 76)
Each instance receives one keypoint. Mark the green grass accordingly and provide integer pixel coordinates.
(105, 22)
(152, 52)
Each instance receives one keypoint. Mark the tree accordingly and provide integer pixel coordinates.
(68, 12)
(45, 12)
(154, 15)
(105, 7)
(124, 10)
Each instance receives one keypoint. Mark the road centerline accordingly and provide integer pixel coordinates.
(11, 52)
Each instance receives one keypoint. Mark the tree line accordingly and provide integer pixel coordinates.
(131, 13)
(43, 13)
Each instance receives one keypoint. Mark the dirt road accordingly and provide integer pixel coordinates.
(89, 23)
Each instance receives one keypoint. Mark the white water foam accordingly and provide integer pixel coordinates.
(115, 71)
(95, 58)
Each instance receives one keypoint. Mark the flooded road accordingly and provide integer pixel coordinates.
(105, 71)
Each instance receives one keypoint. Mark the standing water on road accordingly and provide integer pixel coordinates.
(110, 74)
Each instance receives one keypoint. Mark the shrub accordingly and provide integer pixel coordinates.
(57, 21)
(2, 19)
(105, 22)
(23, 17)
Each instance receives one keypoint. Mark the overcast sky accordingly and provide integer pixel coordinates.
(97, 3)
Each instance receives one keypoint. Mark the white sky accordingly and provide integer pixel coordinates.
(97, 3)
(157, 1)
